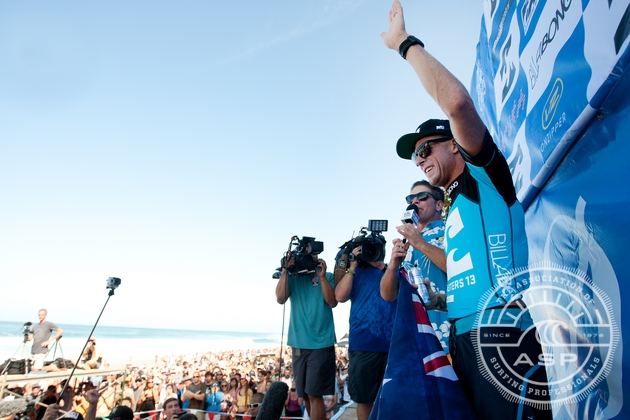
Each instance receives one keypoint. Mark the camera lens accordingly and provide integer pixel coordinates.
(372, 252)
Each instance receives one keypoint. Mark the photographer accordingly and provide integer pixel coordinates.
(311, 329)
(41, 339)
(371, 324)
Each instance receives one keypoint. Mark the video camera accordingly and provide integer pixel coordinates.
(303, 262)
(26, 330)
(372, 247)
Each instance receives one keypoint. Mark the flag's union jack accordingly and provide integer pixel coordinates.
(419, 382)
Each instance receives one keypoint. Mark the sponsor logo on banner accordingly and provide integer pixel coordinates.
(551, 105)
(520, 162)
(507, 69)
(551, 134)
(527, 13)
(555, 25)
(506, 76)
(579, 340)
(498, 35)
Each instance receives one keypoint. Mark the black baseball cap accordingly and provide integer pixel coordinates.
(406, 144)
(122, 413)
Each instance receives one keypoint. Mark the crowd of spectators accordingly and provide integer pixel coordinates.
(211, 385)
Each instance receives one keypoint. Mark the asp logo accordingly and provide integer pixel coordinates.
(549, 111)
(569, 323)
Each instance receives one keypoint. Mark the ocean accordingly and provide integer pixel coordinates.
(121, 345)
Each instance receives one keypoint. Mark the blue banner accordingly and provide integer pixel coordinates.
(542, 70)
(552, 84)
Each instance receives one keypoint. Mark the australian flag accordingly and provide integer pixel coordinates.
(419, 382)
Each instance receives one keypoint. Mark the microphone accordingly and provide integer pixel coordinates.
(11, 407)
(410, 216)
(273, 403)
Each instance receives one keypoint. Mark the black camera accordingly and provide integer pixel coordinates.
(303, 261)
(26, 330)
(112, 283)
(372, 244)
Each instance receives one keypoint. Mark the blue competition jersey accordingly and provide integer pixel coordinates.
(371, 316)
(433, 233)
(311, 324)
(485, 234)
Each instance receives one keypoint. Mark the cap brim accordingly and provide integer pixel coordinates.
(406, 145)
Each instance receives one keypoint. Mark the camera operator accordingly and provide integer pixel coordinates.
(311, 331)
(41, 339)
(371, 324)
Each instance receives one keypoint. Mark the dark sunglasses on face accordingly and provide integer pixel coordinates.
(422, 196)
(424, 150)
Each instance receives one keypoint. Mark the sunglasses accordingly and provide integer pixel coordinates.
(254, 405)
(424, 150)
(196, 376)
(422, 196)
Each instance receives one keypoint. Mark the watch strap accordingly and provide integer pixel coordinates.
(404, 46)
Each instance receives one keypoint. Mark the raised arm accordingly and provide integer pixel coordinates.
(448, 92)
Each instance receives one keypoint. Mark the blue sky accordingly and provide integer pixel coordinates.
(180, 145)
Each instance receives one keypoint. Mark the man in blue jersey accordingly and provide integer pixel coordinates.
(371, 323)
(424, 249)
(311, 332)
(485, 232)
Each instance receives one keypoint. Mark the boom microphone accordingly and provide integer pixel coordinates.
(273, 403)
(11, 407)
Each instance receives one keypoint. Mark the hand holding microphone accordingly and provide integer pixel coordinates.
(409, 229)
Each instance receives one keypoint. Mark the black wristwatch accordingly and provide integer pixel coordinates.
(411, 40)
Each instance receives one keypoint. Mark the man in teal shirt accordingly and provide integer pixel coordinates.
(311, 332)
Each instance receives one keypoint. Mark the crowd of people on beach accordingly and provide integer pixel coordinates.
(210, 385)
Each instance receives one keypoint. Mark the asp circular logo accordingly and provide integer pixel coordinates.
(555, 345)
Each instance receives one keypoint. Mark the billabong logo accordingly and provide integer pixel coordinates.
(552, 30)
(551, 105)
(452, 187)
(573, 326)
